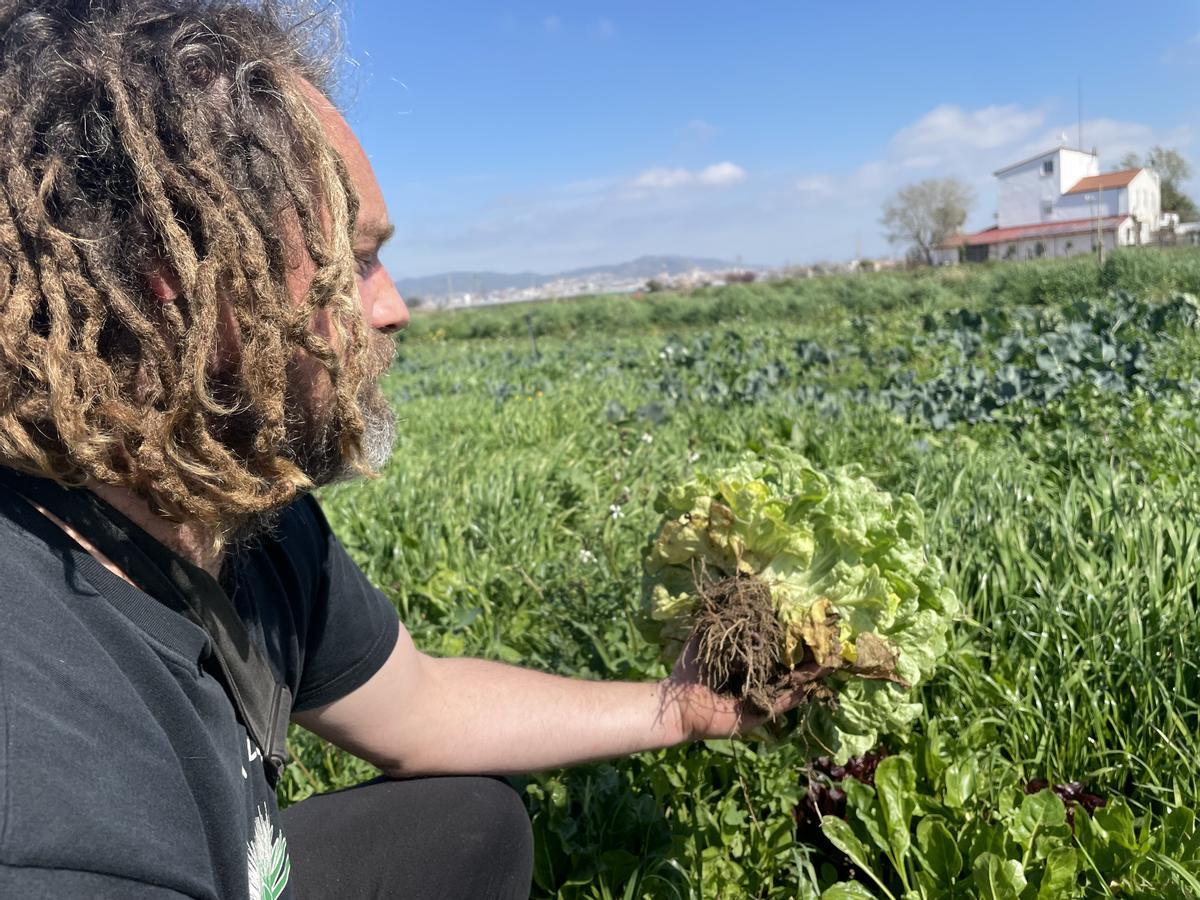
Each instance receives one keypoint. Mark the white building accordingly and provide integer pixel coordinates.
(1059, 204)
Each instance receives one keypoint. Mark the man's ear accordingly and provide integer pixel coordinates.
(164, 284)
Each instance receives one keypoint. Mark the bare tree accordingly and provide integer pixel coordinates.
(1173, 170)
(924, 214)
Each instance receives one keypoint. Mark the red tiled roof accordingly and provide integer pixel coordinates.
(1107, 181)
(996, 235)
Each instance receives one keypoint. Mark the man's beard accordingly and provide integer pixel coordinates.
(316, 442)
(314, 428)
(379, 430)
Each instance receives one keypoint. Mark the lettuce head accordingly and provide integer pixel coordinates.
(849, 577)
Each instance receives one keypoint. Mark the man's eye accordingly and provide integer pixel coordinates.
(365, 263)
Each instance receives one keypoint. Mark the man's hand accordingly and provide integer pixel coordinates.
(706, 715)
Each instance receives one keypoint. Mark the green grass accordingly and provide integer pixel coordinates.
(1068, 527)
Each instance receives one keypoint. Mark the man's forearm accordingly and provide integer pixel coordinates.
(481, 716)
(421, 715)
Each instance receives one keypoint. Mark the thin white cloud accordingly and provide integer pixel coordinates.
(1112, 138)
(947, 128)
(603, 28)
(818, 185)
(719, 174)
(972, 144)
(873, 175)
(722, 174)
(663, 178)
(698, 131)
(921, 162)
(1186, 53)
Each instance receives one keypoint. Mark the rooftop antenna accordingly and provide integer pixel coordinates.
(1080, 144)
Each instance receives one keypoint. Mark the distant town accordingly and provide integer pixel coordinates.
(643, 275)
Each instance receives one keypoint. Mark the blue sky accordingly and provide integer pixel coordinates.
(548, 136)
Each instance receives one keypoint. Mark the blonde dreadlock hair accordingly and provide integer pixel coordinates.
(149, 135)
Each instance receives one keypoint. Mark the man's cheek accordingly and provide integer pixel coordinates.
(322, 325)
(364, 298)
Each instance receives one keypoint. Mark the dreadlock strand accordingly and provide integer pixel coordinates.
(149, 161)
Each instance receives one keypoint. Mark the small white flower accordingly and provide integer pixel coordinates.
(693, 456)
(615, 512)
(647, 437)
(586, 556)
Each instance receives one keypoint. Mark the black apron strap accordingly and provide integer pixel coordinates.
(263, 703)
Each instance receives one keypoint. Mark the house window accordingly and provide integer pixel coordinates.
(1047, 207)
(1039, 249)
(1047, 167)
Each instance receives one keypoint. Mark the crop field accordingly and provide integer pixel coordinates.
(1046, 416)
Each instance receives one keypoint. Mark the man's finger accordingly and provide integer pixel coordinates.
(808, 673)
(803, 683)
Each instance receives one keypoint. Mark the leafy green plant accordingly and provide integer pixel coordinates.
(930, 841)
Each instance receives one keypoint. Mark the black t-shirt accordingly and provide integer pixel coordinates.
(124, 771)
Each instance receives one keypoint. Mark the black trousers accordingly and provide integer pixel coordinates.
(419, 839)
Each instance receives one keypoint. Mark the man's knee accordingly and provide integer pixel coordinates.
(494, 821)
(453, 836)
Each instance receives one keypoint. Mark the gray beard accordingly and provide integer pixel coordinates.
(379, 435)
(316, 448)
(378, 440)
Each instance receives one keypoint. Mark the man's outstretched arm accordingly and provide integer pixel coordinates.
(421, 715)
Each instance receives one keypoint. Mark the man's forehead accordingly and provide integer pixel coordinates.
(331, 119)
(373, 211)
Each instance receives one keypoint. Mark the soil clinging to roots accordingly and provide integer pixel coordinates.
(739, 641)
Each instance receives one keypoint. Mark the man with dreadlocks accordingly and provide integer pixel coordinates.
(193, 322)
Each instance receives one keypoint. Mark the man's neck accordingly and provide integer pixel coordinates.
(197, 545)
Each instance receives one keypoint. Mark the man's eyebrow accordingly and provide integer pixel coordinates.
(378, 233)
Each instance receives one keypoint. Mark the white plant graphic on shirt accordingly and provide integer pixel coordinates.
(267, 860)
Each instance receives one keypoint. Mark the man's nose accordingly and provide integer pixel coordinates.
(388, 312)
